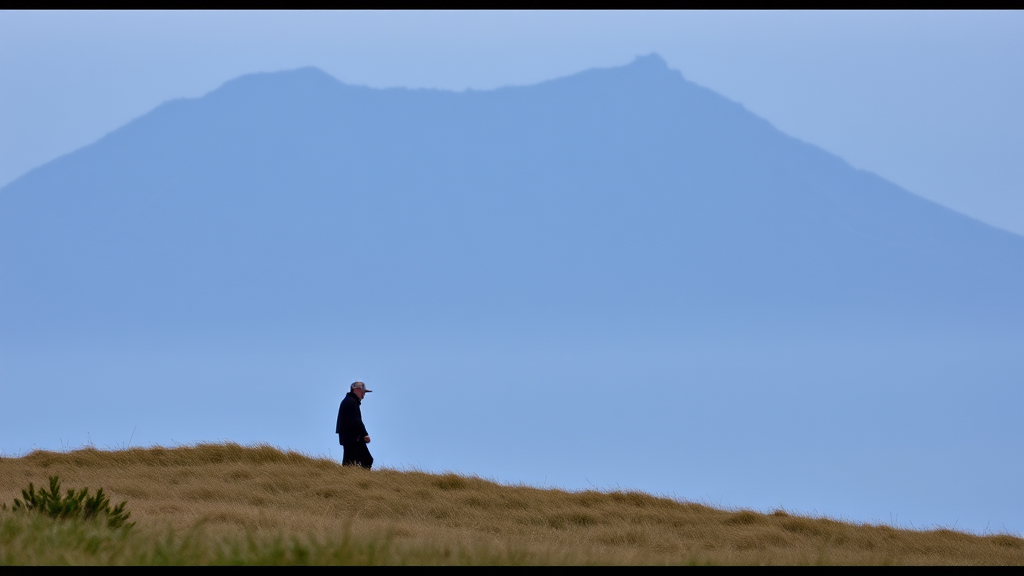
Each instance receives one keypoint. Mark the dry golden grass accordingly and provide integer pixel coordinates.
(227, 503)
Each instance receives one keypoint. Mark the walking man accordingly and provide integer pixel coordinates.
(351, 431)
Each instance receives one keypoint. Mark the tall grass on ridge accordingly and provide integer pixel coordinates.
(231, 504)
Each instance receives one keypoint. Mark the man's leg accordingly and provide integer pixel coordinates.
(357, 454)
(350, 457)
(365, 459)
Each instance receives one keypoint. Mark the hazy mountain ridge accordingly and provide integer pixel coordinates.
(617, 178)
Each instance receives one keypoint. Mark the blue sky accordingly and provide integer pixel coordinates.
(929, 100)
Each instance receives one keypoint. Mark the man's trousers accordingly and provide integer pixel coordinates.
(356, 454)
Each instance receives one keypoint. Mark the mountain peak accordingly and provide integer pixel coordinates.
(652, 61)
(308, 76)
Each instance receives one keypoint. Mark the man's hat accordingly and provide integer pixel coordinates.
(359, 385)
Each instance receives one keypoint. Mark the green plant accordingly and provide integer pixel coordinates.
(74, 504)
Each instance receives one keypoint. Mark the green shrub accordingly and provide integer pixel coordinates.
(74, 504)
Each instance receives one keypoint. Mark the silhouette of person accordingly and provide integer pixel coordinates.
(352, 433)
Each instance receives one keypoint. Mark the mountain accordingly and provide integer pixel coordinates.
(617, 195)
(658, 269)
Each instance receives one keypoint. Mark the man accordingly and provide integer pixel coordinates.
(351, 431)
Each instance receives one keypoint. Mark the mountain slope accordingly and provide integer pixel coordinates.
(616, 193)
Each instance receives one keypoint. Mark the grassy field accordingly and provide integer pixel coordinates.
(230, 504)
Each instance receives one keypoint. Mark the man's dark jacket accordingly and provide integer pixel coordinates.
(350, 427)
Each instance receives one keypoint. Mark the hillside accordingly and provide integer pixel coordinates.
(225, 503)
